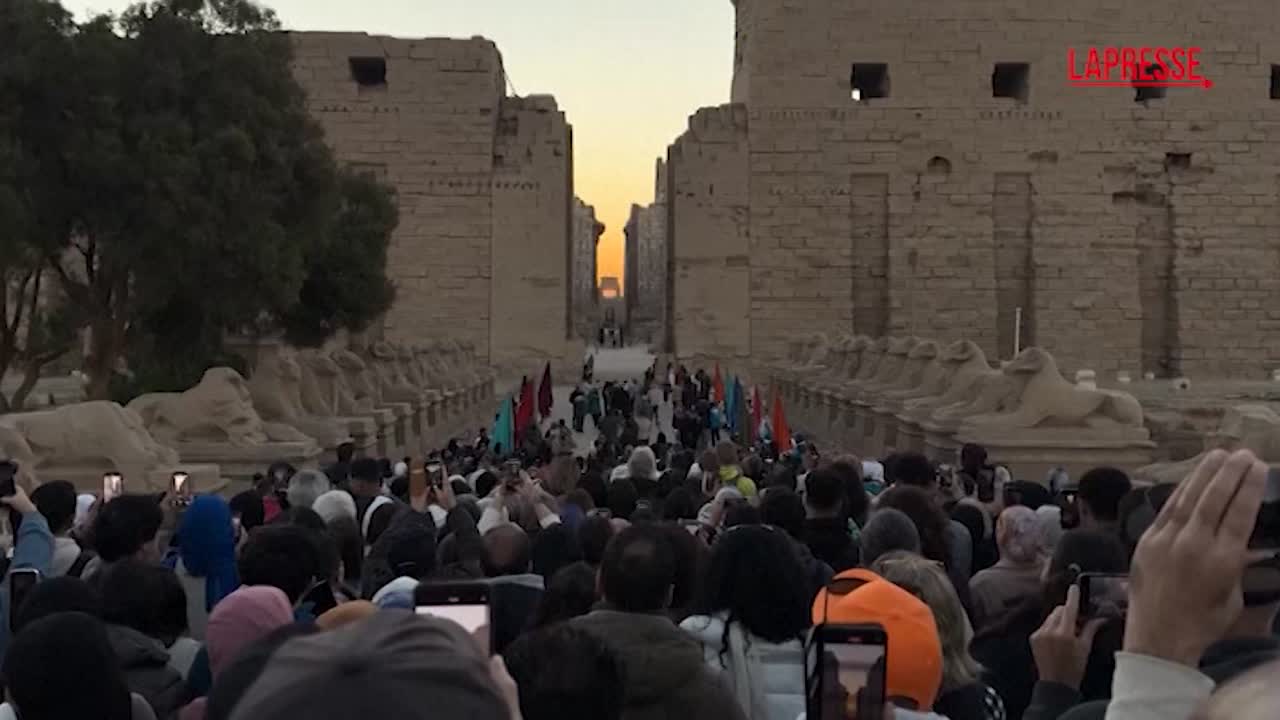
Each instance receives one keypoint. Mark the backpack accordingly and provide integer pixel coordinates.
(81, 562)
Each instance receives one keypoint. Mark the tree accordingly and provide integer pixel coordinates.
(168, 185)
(37, 324)
(346, 284)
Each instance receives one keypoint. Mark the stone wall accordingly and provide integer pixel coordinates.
(532, 235)
(586, 236)
(1134, 236)
(484, 186)
(650, 305)
(707, 176)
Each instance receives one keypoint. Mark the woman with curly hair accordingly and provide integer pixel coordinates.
(751, 617)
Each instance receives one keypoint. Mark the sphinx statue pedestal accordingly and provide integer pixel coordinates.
(1031, 453)
(940, 443)
(215, 423)
(911, 437)
(80, 442)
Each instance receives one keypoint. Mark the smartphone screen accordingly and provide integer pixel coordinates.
(21, 581)
(8, 471)
(464, 603)
(471, 617)
(180, 486)
(435, 475)
(1104, 595)
(846, 672)
(112, 486)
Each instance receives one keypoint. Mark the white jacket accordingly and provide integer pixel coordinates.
(767, 678)
(1148, 688)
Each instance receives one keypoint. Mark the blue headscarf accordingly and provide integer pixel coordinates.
(207, 545)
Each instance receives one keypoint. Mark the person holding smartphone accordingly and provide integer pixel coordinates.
(32, 546)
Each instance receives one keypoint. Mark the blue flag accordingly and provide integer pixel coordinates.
(504, 427)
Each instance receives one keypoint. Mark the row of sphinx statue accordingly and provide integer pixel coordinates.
(387, 398)
(939, 395)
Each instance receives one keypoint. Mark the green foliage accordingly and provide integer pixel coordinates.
(346, 285)
(163, 167)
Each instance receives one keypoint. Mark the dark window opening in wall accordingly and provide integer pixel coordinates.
(1011, 80)
(1177, 161)
(869, 80)
(1144, 93)
(368, 72)
(1275, 82)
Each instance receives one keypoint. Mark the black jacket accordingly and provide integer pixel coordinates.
(664, 675)
(830, 542)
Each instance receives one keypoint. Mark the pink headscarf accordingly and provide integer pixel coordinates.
(239, 620)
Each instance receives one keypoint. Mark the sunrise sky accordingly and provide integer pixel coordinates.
(627, 73)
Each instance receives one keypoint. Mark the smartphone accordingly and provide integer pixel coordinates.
(466, 603)
(112, 486)
(21, 582)
(321, 598)
(8, 471)
(179, 486)
(435, 475)
(511, 472)
(1104, 595)
(845, 671)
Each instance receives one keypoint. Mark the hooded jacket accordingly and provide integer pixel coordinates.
(663, 672)
(146, 669)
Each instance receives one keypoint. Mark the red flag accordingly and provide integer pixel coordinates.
(545, 398)
(781, 434)
(524, 412)
(754, 433)
(717, 384)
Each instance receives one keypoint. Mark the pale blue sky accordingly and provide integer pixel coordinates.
(628, 73)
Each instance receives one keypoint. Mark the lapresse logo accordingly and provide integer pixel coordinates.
(1136, 67)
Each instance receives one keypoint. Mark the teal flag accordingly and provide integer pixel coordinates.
(504, 427)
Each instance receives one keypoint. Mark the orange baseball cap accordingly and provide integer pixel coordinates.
(914, 668)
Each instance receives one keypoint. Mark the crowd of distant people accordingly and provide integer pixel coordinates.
(690, 577)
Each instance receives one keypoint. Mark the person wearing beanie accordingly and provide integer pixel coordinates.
(1016, 576)
(397, 594)
(887, 530)
(240, 674)
(241, 619)
(392, 666)
(914, 673)
(346, 614)
(61, 667)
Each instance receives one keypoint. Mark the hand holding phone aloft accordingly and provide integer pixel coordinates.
(1190, 562)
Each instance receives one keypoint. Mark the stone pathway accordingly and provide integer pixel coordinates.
(611, 364)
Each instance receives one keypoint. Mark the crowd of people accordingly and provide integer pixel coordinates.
(646, 579)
